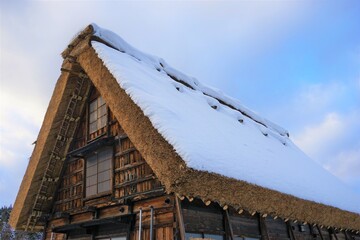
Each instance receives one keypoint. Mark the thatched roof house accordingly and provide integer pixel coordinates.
(199, 142)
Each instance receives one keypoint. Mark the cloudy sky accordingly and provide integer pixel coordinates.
(296, 63)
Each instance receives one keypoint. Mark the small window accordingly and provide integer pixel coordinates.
(191, 236)
(196, 236)
(97, 115)
(98, 172)
(213, 236)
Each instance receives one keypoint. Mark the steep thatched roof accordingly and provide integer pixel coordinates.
(94, 50)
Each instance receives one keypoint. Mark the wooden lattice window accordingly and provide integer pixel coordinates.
(97, 115)
(98, 172)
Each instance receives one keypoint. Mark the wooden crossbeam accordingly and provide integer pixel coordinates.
(44, 197)
(290, 231)
(49, 179)
(36, 213)
(263, 228)
(79, 74)
(77, 97)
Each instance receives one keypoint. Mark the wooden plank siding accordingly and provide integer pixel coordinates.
(163, 218)
(131, 175)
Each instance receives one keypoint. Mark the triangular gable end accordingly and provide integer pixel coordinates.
(56, 169)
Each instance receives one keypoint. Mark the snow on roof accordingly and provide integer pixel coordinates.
(214, 132)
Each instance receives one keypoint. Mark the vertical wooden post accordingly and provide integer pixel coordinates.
(228, 224)
(180, 218)
(140, 223)
(333, 231)
(151, 222)
(319, 229)
(263, 228)
(290, 230)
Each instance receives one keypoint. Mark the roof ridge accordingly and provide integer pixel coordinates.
(115, 41)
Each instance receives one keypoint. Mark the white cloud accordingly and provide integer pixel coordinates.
(346, 164)
(321, 95)
(317, 138)
(335, 144)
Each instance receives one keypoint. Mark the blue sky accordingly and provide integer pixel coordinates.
(296, 63)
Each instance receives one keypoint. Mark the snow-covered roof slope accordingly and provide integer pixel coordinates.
(214, 132)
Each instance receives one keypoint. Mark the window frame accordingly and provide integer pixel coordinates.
(100, 119)
(110, 158)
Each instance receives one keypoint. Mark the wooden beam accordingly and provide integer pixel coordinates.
(333, 231)
(263, 229)
(180, 218)
(320, 233)
(347, 237)
(228, 224)
(290, 231)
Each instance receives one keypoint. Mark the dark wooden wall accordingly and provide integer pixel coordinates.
(131, 175)
(213, 219)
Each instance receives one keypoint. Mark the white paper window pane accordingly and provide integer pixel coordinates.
(104, 155)
(91, 190)
(93, 106)
(105, 165)
(102, 110)
(108, 154)
(93, 117)
(93, 127)
(102, 122)
(100, 101)
(92, 180)
(104, 176)
(91, 161)
(87, 182)
(90, 171)
(104, 186)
